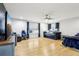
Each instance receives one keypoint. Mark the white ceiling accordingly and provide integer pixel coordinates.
(37, 11)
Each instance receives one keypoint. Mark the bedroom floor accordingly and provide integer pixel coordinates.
(43, 47)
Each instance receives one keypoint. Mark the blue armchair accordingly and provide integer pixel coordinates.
(71, 41)
(23, 34)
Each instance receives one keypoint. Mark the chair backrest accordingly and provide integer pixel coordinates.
(23, 33)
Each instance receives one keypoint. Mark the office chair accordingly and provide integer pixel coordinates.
(23, 34)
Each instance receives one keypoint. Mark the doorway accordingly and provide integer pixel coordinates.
(33, 30)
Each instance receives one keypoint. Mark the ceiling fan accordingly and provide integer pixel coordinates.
(48, 17)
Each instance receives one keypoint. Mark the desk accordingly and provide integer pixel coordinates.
(6, 48)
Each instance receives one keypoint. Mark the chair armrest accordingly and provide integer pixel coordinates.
(72, 37)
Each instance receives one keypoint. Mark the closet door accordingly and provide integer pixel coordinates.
(33, 30)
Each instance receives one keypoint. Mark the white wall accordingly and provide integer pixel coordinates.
(69, 26)
(43, 27)
(18, 26)
(53, 26)
(34, 28)
(9, 21)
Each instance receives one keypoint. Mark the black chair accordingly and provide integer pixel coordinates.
(54, 35)
(71, 41)
(23, 34)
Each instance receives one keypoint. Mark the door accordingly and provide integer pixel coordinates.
(33, 30)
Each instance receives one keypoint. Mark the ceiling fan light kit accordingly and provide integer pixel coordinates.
(47, 17)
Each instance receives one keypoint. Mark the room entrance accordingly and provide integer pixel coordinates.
(33, 30)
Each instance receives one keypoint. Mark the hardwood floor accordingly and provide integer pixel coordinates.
(43, 47)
